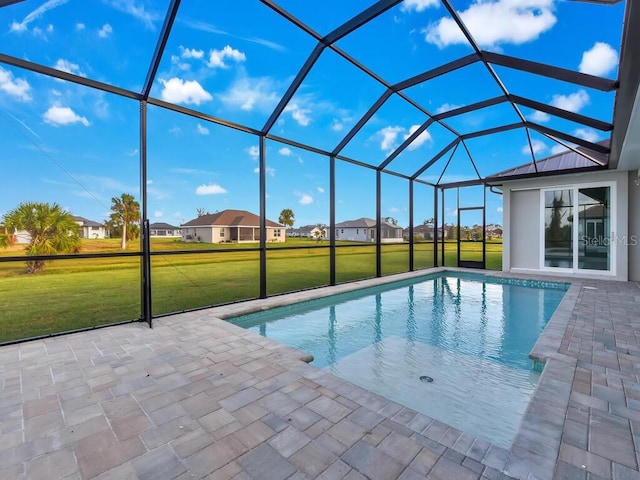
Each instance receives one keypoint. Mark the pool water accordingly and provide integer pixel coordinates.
(453, 346)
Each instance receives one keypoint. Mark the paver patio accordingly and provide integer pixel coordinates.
(196, 397)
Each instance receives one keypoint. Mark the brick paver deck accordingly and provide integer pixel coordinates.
(196, 397)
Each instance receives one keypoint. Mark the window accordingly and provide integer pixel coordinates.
(276, 232)
(342, 230)
(577, 228)
(95, 228)
(373, 233)
(357, 231)
(222, 232)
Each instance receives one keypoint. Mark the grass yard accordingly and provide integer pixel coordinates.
(79, 293)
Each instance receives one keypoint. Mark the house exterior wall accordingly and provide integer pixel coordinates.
(634, 227)
(522, 219)
(191, 234)
(92, 232)
(525, 233)
(22, 237)
(276, 234)
(356, 234)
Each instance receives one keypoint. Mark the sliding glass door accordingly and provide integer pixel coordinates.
(594, 228)
(558, 228)
(578, 228)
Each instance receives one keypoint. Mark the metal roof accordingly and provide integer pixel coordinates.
(580, 158)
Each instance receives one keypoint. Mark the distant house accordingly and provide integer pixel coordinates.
(494, 231)
(164, 230)
(420, 232)
(237, 226)
(22, 237)
(364, 230)
(310, 231)
(90, 229)
(426, 231)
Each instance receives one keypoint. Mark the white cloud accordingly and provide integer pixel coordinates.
(420, 139)
(63, 116)
(35, 14)
(537, 145)
(158, 214)
(175, 59)
(217, 57)
(299, 114)
(210, 189)
(50, 28)
(572, 102)
(209, 28)
(588, 134)
(499, 209)
(133, 152)
(540, 117)
(270, 171)
(305, 199)
(101, 106)
(493, 23)
(15, 87)
(190, 52)
(175, 130)
(105, 31)
(284, 151)
(445, 107)
(249, 93)
(557, 148)
(189, 92)
(320, 189)
(418, 5)
(600, 60)
(254, 152)
(80, 26)
(202, 130)
(389, 136)
(137, 11)
(69, 67)
(337, 125)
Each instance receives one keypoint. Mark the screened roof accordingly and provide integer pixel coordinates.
(439, 91)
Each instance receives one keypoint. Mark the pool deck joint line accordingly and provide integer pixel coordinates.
(197, 397)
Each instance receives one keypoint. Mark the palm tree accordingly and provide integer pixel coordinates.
(287, 217)
(51, 230)
(126, 213)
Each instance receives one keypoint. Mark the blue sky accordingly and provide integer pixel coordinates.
(79, 147)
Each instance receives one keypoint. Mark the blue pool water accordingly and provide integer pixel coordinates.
(470, 333)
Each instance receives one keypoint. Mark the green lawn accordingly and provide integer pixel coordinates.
(79, 293)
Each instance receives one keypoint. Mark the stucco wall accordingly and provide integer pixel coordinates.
(634, 227)
(354, 234)
(522, 215)
(525, 229)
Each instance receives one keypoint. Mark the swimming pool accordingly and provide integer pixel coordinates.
(451, 345)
